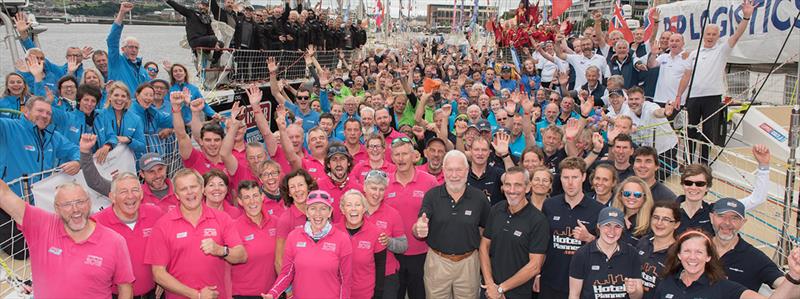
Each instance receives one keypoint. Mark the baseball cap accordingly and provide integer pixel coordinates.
(434, 139)
(165, 82)
(319, 196)
(484, 125)
(502, 129)
(505, 68)
(150, 160)
(611, 214)
(728, 204)
(337, 149)
(616, 92)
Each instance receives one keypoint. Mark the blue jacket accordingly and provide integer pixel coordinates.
(131, 127)
(153, 120)
(10, 103)
(186, 112)
(33, 150)
(28, 44)
(72, 124)
(120, 68)
(526, 81)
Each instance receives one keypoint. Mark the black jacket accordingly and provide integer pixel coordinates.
(197, 24)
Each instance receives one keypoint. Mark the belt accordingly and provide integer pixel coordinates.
(453, 257)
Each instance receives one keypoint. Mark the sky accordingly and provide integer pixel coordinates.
(419, 6)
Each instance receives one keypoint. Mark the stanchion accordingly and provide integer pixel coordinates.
(785, 244)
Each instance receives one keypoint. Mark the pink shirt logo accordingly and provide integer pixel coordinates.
(314, 170)
(272, 232)
(418, 193)
(327, 246)
(364, 245)
(181, 235)
(250, 237)
(210, 232)
(147, 232)
(390, 195)
(381, 224)
(93, 260)
(301, 244)
(54, 250)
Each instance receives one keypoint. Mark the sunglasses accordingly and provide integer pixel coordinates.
(319, 194)
(337, 150)
(375, 173)
(627, 193)
(689, 183)
(152, 69)
(302, 97)
(401, 140)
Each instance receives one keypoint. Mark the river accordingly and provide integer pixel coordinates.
(157, 43)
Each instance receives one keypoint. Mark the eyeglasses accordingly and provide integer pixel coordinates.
(401, 140)
(375, 173)
(657, 218)
(74, 204)
(689, 183)
(627, 193)
(271, 174)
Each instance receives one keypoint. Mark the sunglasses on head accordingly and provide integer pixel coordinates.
(376, 172)
(627, 193)
(695, 183)
(321, 195)
(401, 140)
(337, 150)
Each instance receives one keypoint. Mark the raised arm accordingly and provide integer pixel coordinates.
(198, 118)
(286, 144)
(273, 81)
(183, 10)
(254, 94)
(185, 147)
(597, 16)
(11, 203)
(747, 13)
(93, 178)
(759, 195)
(124, 8)
(226, 149)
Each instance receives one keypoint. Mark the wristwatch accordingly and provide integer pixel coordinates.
(500, 290)
(225, 251)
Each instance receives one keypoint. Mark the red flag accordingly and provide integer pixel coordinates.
(379, 18)
(559, 7)
(649, 23)
(618, 23)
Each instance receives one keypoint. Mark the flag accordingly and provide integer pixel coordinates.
(474, 19)
(559, 7)
(379, 16)
(455, 12)
(618, 23)
(515, 58)
(649, 23)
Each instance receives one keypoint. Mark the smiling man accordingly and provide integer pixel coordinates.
(71, 256)
(337, 181)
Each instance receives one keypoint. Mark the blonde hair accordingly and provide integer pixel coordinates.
(642, 225)
(121, 86)
(356, 193)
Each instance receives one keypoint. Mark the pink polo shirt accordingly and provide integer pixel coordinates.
(389, 138)
(439, 177)
(326, 184)
(365, 246)
(280, 157)
(361, 155)
(62, 268)
(314, 167)
(290, 220)
(257, 275)
(168, 203)
(274, 208)
(362, 168)
(136, 239)
(387, 220)
(175, 244)
(243, 173)
(198, 161)
(319, 270)
(407, 200)
(232, 211)
(240, 156)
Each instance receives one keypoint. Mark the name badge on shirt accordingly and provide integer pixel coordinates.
(390, 195)
(364, 245)
(74, 129)
(271, 232)
(181, 235)
(312, 170)
(669, 296)
(208, 165)
(210, 232)
(147, 232)
(269, 211)
(517, 233)
(29, 148)
(556, 218)
(301, 244)
(595, 267)
(418, 193)
(250, 237)
(468, 213)
(93, 260)
(381, 224)
(54, 250)
(328, 246)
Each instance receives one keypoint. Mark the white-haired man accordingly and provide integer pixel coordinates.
(124, 65)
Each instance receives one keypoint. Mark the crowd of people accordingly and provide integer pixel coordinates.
(427, 172)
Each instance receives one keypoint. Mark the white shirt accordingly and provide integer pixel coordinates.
(580, 63)
(548, 67)
(709, 77)
(648, 127)
(671, 69)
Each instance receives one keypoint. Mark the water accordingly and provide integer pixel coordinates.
(157, 43)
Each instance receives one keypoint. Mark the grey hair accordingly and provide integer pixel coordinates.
(621, 42)
(69, 185)
(128, 40)
(32, 100)
(593, 68)
(456, 154)
(353, 192)
(376, 179)
(366, 110)
(94, 71)
(121, 177)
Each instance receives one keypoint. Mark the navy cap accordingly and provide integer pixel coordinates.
(611, 214)
(150, 160)
(338, 149)
(484, 125)
(616, 92)
(728, 204)
(502, 129)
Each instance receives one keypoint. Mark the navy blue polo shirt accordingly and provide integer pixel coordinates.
(673, 288)
(489, 183)
(627, 233)
(749, 266)
(514, 237)
(652, 265)
(454, 225)
(701, 219)
(625, 69)
(562, 220)
(662, 193)
(552, 163)
(604, 277)
(598, 92)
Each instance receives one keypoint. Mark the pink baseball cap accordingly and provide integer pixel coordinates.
(319, 196)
